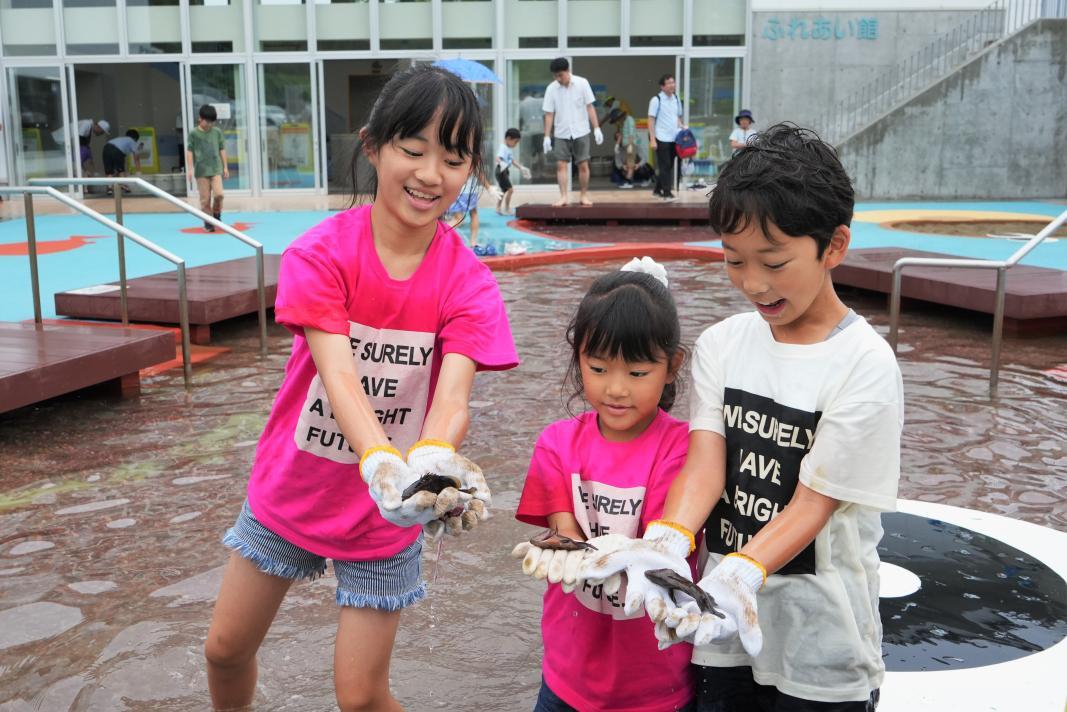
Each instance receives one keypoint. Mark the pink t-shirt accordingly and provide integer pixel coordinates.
(305, 484)
(596, 658)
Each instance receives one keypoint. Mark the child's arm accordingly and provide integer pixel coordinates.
(699, 484)
(225, 163)
(449, 415)
(793, 530)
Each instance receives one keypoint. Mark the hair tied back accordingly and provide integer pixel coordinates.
(647, 265)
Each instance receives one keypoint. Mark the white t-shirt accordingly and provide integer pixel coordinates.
(666, 110)
(568, 104)
(505, 156)
(85, 127)
(828, 415)
(742, 135)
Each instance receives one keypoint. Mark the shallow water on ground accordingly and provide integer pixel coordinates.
(111, 511)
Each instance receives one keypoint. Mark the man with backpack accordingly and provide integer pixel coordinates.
(664, 122)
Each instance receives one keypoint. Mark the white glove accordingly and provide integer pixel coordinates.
(564, 566)
(662, 547)
(598, 136)
(733, 585)
(496, 193)
(546, 145)
(525, 172)
(440, 458)
(387, 476)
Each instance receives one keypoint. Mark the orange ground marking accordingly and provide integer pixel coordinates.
(47, 247)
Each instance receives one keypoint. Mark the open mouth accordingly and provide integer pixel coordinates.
(771, 308)
(420, 196)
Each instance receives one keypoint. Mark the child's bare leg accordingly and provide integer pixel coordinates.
(361, 659)
(247, 603)
(474, 226)
(507, 200)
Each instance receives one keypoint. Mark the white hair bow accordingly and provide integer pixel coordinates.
(648, 266)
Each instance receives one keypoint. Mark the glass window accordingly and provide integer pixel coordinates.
(223, 87)
(29, 29)
(153, 26)
(286, 126)
(217, 25)
(342, 25)
(593, 23)
(531, 23)
(37, 102)
(720, 23)
(527, 80)
(281, 26)
(468, 24)
(90, 26)
(715, 98)
(656, 23)
(405, 24)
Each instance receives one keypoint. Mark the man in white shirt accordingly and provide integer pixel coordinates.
(664, 122)
(569, 113)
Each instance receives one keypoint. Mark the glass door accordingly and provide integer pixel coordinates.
(223, 87)
(41, 135)
(289, 132)
(713, 101)
(526, 83)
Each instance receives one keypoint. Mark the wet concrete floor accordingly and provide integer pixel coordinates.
(111, 511)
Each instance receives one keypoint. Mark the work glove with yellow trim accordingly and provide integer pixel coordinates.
(542, 557)
(388, 477)
(437, 457)
(663, 546)
(733, 584)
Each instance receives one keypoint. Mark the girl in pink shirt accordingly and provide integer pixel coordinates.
(601, 474)
(391, 316)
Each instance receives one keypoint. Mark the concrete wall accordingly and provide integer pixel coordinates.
(996, 128)
(799, 79)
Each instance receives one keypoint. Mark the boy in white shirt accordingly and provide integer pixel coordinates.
(505, 159)
(794, 452)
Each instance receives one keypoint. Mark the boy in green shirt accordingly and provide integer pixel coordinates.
(206, 153)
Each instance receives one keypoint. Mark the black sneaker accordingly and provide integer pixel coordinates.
(208, 227)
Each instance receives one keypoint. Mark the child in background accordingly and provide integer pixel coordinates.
(467, 202)
(206, 153)
(603, 475)
(794, 451)
(391, 316)
(115, 152)
(505, 159)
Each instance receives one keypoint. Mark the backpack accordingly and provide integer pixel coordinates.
(685, 144)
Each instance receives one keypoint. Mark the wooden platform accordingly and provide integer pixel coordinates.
(1035, 299)
(677, 213)
(37, 364)
(217, 292)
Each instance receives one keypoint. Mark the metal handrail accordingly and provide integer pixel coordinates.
(31, 241)
(261, 292)
(1001, 266)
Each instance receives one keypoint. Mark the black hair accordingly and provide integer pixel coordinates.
(134, 134)
(788, 176)
(408, 102)
(559, 64)
(628, 314)
(207, 111)
(664, 78)
(512, 133)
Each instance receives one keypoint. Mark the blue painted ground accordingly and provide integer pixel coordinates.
(95, 262)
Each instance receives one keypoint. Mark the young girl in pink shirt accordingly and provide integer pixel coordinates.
(601, 474)
(391, 316)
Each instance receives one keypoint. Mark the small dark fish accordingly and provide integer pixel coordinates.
(430, 483)
(671, 581)
(552, 539)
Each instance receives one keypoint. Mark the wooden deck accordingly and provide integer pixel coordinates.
(682, 214)
(1035, 298)
(37, 364)
(217, 292)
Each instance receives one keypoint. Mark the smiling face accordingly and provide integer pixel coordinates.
(786, 280)
(624, 394)
(418, 178)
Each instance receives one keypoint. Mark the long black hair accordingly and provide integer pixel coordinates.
(788, 176)
(627, 314)
(407, 104)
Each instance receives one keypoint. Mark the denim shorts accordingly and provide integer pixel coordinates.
(386, 584)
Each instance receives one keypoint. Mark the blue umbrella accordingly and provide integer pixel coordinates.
(469, 71)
